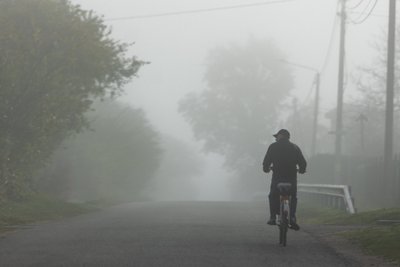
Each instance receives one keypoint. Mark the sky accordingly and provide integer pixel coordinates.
(177, 46)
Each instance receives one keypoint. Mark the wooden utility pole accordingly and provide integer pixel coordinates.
(316, 111)
(388, 153)
(339, 108)
(295, 115)
(362, 118)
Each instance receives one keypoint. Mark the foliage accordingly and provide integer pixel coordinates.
(236, 115)
(55, 59)
(115, 160)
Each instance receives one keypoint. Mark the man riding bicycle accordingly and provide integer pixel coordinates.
(283, 157)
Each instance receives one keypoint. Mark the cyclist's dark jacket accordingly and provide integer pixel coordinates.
(284, 157)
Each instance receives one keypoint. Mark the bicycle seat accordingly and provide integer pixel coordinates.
(284, 187)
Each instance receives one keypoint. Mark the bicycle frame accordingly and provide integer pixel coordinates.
(284, 214)
(284, 208)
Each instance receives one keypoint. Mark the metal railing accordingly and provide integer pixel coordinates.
(332, 195)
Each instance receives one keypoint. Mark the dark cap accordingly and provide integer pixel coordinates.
(283, 132)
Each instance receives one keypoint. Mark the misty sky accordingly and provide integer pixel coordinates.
(177, 45)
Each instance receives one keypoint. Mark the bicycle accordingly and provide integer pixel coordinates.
(284, 212)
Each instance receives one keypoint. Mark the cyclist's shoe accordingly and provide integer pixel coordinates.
(294, 225)
(272, 221)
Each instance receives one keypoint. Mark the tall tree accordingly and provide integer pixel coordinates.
(236, 114)
(55, 58)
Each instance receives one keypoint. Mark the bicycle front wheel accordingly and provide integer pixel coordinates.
(283, 228)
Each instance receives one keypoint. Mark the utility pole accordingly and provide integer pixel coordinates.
(339, 108)
(295, 115)
(388, 154)
(362, 118)
(316, 111)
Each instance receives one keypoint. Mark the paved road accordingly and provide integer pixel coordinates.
(165, 234)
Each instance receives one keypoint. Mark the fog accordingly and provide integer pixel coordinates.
(177, 45)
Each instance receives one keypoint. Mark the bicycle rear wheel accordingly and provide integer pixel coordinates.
(283, 228)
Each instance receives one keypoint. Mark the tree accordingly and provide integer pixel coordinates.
(115, 160)
(55, 59)
(236, 115)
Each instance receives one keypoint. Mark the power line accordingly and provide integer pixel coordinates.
(358, 20)
(372, 15)
(369, 14)
(332, 37)
(356, 5)
(204, 10)
(363, 11)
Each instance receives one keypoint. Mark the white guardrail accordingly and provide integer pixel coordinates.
(334, 191)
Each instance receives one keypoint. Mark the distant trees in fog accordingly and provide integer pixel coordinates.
(365, 136)
(238, 111)
(115, 159)
(362, 165)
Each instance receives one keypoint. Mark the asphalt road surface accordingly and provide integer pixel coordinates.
(166, 234)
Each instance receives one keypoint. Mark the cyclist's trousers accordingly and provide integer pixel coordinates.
(274, 197)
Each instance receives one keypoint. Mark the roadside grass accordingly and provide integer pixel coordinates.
(312, 214)
(38, 208)
(378, 240)
(374, 238)
(317, 215)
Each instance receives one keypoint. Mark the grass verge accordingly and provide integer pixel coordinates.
(373, 238)
(382, 241)
(38, 208)
(317, 215)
